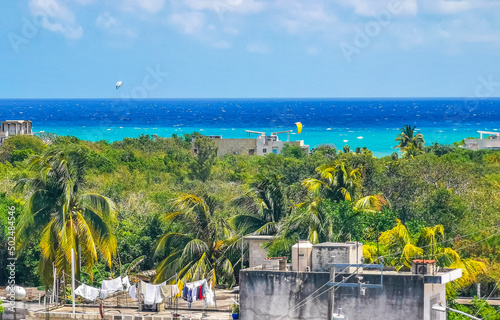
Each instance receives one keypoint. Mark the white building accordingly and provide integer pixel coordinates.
(491, 141)
(10, 128)
(260, 146)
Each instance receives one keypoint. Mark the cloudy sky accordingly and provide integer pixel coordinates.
(248, 48)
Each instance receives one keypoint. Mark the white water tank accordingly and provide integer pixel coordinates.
(19, 293)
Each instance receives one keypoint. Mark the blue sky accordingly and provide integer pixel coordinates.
(248, 48)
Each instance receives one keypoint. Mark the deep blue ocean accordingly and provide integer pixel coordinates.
(373, 123)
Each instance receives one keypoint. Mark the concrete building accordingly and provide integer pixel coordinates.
(322, 253)
(302, 256)
(362, 294)
(261, 145)
(487, 140)
(11, 128)
(256, 253)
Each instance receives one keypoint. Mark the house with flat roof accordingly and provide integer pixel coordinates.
(261, 145)
(352, 290)
(487, 140)
(9, 128)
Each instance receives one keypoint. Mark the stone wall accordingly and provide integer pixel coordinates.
(267, 295)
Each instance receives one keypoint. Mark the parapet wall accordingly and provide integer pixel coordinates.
(268, 295)
(93, 316)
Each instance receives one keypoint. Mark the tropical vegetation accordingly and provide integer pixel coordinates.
(154, 204)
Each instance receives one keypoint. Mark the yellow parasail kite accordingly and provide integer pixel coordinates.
(299, 127)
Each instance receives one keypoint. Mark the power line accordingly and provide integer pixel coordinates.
(335, 287)
(491, 293)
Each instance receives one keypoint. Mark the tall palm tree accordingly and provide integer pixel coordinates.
(409, 135)
(64, 215)
(264, 208)
(200, 251)
(337, 183)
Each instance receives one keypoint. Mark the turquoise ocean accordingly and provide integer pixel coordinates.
(372, 123)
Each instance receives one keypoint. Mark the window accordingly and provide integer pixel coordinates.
(251, 152)
(264, 150)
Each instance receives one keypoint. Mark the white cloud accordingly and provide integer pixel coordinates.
(221, 44)
(112, 25)
(151, 6)
(257, 48)
(220, 6)
(56, 17)
(188, 22)
(106, 21)
(372, 8)
(298, 16)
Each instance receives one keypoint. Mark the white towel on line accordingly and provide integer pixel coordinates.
(112, 285)
(131, 292)
(153, 294)
(126, 282)
(88, 292)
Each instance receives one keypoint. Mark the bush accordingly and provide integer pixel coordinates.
(20, 155)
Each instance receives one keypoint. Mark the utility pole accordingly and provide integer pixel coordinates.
(54, 284)
(331, 308)
(73, 278)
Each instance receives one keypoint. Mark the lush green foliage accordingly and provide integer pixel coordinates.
(184, 212)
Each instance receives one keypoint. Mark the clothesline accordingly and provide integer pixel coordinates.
(150, 293)
(107, 287)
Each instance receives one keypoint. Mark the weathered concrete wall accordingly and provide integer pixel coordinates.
(256, 254)
(344, 253)
(267, 295)
(433, 294)
(235, 146)
(94, 316)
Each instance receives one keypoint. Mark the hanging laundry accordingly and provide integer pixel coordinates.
(126, 282)
(132, 291)
(193, 291)
(153, 293)
(180, 287)
(175, 290)
(112, 285)
(103, 294)
(166, 291)
(87, 292)
(209, 296)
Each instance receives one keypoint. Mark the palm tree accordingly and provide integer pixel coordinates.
(64, 215)
(399, 240)
(346, 149)
(200, 251)
(411, 151)
(400, 243)
(337, 183)
(408, 135)
(264, 208)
